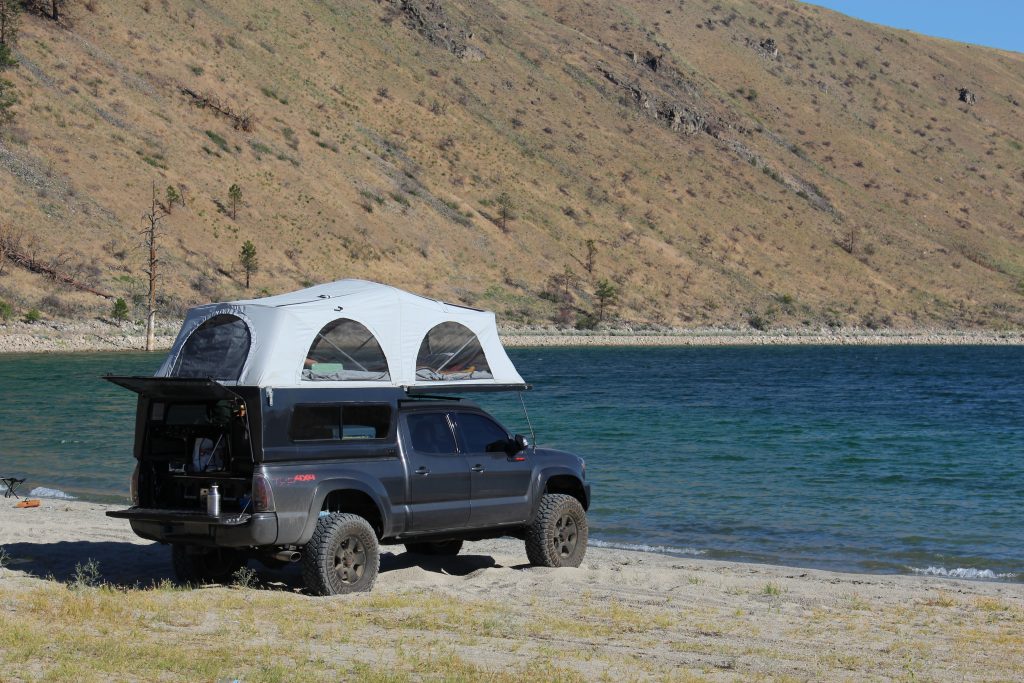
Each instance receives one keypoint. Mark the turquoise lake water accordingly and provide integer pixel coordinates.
(877, 459)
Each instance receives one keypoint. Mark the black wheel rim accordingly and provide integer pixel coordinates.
(350, 560)
(566, 536)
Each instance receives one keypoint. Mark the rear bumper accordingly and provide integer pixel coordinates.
(230, 530)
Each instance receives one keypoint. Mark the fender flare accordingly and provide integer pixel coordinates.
(544, 475)
(371, 488)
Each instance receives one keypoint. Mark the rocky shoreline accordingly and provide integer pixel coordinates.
(101, 335)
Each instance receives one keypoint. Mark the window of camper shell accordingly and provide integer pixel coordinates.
(345, 350)
(340, 422)
(450, 351)
(217, 349)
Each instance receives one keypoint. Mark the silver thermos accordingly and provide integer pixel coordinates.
(213, 502)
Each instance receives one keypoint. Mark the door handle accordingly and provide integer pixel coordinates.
(477, 468)
(422, 470)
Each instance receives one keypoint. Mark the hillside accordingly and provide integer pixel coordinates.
(739, 162)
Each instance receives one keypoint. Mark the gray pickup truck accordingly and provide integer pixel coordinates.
(323, 476)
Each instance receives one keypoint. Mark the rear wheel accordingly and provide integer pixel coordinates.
(342, 556)
(557, 536)
(446, 548)
(197, 565)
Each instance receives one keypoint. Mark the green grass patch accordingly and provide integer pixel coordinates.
(218, 140)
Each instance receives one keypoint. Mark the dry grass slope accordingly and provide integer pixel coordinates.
(838, 181)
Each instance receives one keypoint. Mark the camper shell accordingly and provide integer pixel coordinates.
(328, 421)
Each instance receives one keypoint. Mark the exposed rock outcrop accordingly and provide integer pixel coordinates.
(967, 96)
(766, 47)
(430, 20)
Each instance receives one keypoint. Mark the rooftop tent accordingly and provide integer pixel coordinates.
(349, 333)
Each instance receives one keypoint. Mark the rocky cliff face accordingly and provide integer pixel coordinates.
(740, 163)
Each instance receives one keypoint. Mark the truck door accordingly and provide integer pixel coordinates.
(439, 483)
(500, 482)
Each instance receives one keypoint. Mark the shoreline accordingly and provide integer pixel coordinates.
(58, 497)
(485, 614)
(98, 335)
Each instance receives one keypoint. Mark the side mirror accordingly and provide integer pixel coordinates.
(516, 445)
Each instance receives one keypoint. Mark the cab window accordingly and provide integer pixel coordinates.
(479, 434)
(430, 433)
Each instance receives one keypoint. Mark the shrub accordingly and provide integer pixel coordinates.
(6, 311)
(218, 140)
(120, 310)
(33, 316)
(87, 575)
(586, 321)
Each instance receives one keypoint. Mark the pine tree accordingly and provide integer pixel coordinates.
(172, 197)
(120, 310)
(250, 263)
(506, 210)
(10, 18)
(235, 195)
(606, 293)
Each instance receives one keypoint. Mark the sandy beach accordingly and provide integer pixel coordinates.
(485, 614)
(98, 335)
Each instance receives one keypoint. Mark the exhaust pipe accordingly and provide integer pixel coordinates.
(287, 556)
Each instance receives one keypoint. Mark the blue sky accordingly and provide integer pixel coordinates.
(997, 23)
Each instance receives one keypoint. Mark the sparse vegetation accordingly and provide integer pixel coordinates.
(736, 191)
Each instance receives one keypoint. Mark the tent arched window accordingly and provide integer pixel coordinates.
(345, 350)
(217, 349)
(450, 351)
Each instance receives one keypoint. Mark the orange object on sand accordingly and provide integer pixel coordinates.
(32, 503)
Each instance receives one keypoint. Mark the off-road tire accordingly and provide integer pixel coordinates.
(557, 536)
(342, 556)
(440, 548)
(194, 566)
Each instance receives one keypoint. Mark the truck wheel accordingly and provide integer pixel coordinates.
(342, 556)
(557, 536)
(197, 566)
(446, 548)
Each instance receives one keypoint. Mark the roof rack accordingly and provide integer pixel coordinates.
(447, 388)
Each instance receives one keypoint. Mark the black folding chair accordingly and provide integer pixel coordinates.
(11, 483)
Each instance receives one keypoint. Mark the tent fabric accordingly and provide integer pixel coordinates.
(284, 329)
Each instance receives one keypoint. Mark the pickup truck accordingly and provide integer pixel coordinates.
(324, 476)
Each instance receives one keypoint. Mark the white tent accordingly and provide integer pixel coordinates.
(349, 333)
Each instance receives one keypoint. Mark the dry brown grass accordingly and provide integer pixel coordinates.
(54, 631)
(378, 154)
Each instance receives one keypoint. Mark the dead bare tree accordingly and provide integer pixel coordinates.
(244, 121)
(588, 261)
(150, 232)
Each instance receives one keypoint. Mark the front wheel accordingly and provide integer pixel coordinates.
(342, 556)
(557, 536)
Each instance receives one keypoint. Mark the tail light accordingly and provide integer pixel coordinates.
(133, 485)
(262, 494)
